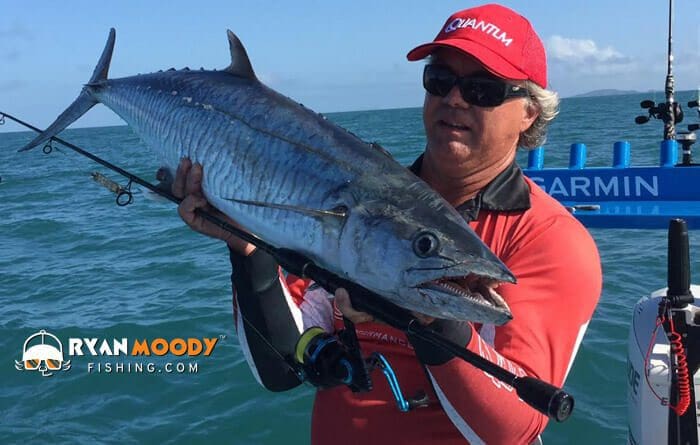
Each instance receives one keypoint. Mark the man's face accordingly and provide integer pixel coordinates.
(466, 138)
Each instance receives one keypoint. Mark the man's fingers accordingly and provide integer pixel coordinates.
(188, 206)
(187, 186)
(342, 301)
(193, 185)
(178, 187)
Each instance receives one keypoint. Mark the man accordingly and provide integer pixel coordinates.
(485, 96)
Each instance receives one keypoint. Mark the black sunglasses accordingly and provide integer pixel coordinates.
(439, 80)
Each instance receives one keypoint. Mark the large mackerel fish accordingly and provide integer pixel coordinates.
(297, 181)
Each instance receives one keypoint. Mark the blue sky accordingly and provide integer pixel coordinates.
(330, 56)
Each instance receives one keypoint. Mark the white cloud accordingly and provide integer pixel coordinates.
(687, 65)
(579, 50)
(587, 57)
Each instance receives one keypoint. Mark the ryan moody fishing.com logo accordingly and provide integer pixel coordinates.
(43, 352)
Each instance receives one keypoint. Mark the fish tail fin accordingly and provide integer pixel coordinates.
(83, 103)
(102, 68)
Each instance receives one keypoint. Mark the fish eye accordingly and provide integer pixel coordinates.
(425, 244)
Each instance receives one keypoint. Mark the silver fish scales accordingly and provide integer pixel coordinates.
(300, 182)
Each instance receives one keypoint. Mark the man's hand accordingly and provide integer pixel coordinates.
(342, 302)
(187, 186)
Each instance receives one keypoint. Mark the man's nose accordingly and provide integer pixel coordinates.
(454, 98)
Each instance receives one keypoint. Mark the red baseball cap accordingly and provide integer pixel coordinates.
(498, 37)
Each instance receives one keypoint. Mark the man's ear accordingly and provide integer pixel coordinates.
(532, 112)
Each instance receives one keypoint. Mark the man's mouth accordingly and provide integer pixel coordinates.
(453, 125)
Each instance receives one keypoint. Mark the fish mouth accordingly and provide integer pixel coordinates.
(484, 303)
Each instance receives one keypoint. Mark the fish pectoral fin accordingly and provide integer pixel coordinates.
(336, 212)
(240, 63)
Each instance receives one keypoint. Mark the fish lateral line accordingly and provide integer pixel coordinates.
(339, 211)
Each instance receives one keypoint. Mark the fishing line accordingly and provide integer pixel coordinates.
(544, 397)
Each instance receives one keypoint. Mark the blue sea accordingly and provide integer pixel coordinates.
(77, 265)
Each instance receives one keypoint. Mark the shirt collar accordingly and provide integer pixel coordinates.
(507, 192)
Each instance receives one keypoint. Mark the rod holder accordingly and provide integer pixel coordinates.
(669, 153)
(577, 156)
(535, 159)
(621, 154)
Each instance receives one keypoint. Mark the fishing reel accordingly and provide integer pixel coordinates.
(672, 114)
(327, 361)
(664, 111)
(688, 138)
(696, 105)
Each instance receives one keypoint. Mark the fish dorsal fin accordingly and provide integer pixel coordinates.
(240, 64)
(337, 212)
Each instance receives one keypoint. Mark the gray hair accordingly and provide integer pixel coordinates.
(546, 102)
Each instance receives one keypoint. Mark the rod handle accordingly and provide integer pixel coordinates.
(545, 398)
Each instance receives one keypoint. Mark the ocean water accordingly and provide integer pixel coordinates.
(77, 265)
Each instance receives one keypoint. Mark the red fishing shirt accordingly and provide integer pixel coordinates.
(557, 266)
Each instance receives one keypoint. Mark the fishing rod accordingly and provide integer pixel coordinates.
(673, 108)
(669, 112)
(544, 397)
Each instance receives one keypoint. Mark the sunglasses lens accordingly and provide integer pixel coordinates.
(438, 80)
(53, 365)
(31, 364)
(483, 92)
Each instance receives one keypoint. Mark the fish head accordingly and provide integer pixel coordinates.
(425, 261)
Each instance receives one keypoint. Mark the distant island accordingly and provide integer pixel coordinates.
(607, 92)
